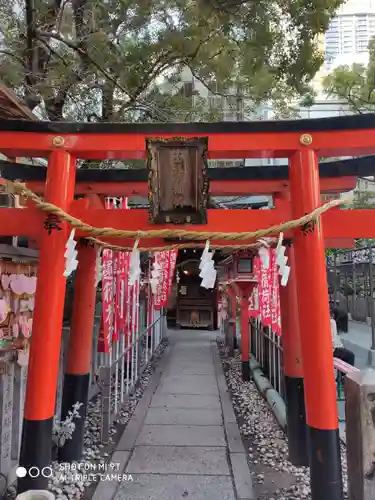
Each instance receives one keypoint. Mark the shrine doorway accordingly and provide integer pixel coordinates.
(196, 307)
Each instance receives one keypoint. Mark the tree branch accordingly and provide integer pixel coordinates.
(84, 55)
(14, 56)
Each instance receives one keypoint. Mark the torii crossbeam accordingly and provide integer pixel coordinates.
(301, 141)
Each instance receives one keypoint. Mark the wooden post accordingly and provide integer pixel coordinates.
(232, 313)
(245, 339)
(19, 392)
(77, 375)
(47, 326)
(360, 434)
(243, 290)
(293, 369)
(6, 408)
(316, 341)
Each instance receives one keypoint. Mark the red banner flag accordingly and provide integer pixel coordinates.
(108, 296)
(127, 292)
(136, 305)
(254, 303)
(165, 279)
(115, 303)
(107, 300)
(265, 291)
(126, 298)
(275, 297)
(172, 266)
(254, 296)
(120, 291)
(159, 259)
(130, 310)
(167, 262)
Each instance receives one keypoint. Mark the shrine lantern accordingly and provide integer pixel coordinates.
(242, 276)
(243, 266)
(243, 283)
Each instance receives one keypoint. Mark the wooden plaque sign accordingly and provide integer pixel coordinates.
(177, 181)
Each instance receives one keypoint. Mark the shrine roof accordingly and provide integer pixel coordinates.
(335, 123)
(13, 108)
(363, 166)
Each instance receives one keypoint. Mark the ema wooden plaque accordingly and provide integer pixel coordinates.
(177, 181)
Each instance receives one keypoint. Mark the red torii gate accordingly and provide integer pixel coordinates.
(300, 141)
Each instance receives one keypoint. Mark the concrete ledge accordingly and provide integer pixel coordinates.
(254, 365)
(225, 399)
(273, 398)
(234, 438)
(105, 489)
(237, 456)
(242, 477)
(278, 407)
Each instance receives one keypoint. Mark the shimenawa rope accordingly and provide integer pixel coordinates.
(198, 236)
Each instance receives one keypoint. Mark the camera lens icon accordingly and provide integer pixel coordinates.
(21, 472)
(34, 472)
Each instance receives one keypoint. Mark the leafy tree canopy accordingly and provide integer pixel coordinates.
(354, 84)
(104, 59)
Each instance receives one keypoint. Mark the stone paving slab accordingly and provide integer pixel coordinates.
(181, 435)
(190, 369)
(197, 345)
(201, 360)
(190, 384)
(183, 416)
(175, 487)
(179, 460)
(198, 357)
(185, 372)
(206, 380)
(207, 401)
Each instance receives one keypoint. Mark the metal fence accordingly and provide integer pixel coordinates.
(116, 381)
(351, 281)
(266, 347)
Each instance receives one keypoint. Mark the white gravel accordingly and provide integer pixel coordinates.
(268, 446)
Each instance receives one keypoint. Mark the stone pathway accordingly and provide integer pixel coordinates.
(187, 445)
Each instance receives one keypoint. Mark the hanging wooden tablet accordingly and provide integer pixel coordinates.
(177, 181)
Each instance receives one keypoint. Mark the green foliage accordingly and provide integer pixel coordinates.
(105, 59)
(362, 200)
(365, 200)
(354, 84)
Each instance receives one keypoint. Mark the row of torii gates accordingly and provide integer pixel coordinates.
(308, 355)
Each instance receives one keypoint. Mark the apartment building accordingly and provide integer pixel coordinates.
(348, 36)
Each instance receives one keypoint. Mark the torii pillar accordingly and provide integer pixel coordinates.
(244, 289)
(36, 446)
(77, 375)
(316, 340)
(232, 315)
(293, 368)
